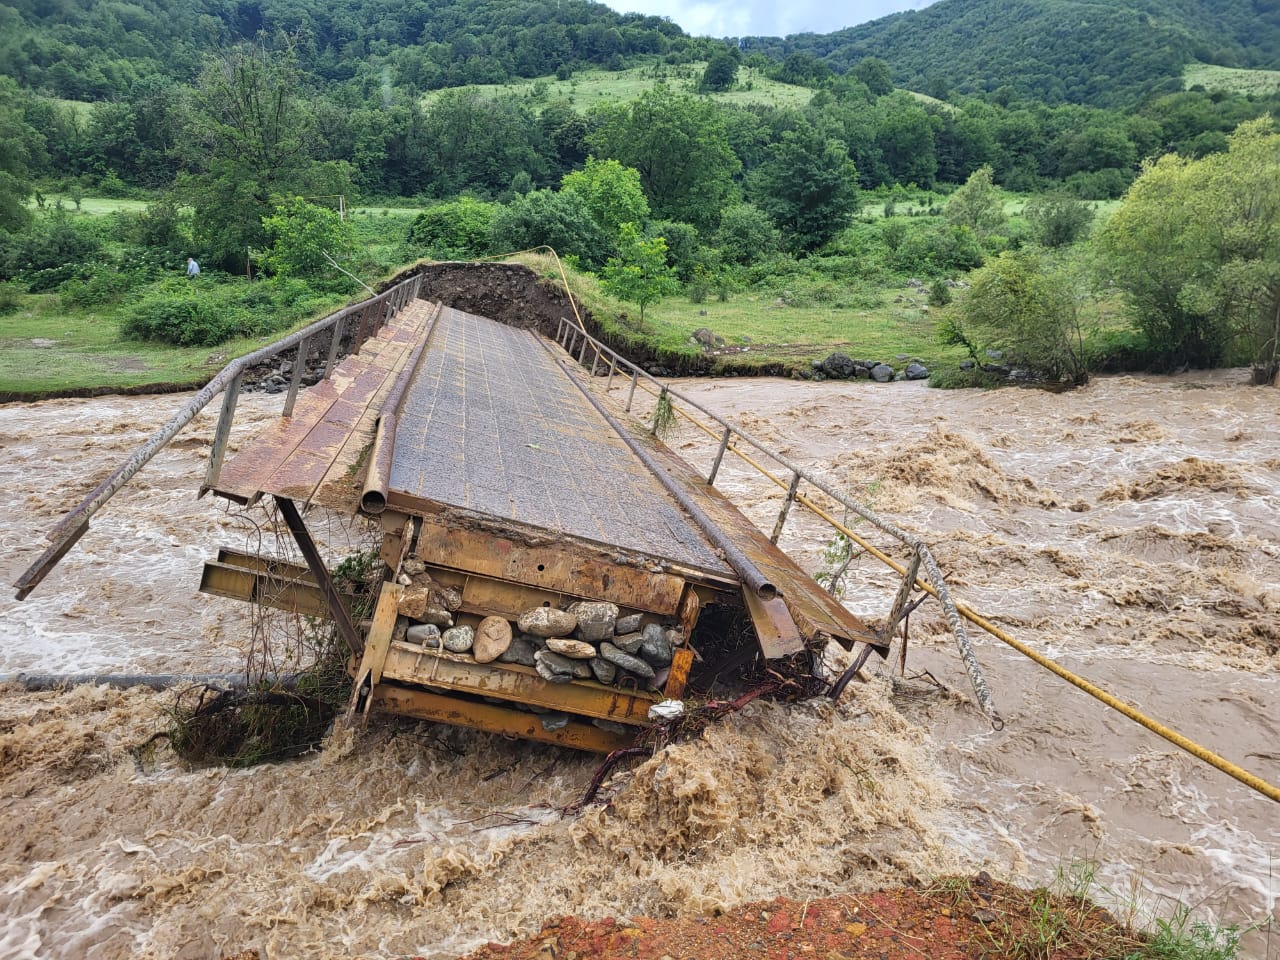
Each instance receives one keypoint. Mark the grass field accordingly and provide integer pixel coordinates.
(1231, 79)
(589, 87)
(46, 349)
(760, 330)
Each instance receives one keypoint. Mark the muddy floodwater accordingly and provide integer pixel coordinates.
(1131, 530)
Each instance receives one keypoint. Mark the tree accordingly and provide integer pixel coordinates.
(610, 192)
(679, 145)
(454, 230)
(1195, 246)
(250, 127)
(977, 204)
(19, 144)
(1029, 308)
(1057, 219)
(639, 274)
(555, 219)
(722, 69)
(808, 186)
(875, 73)
(304, 239)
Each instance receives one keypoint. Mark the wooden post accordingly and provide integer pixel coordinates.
(220, 435)
(299, 365)
(715, 467)
(786, 507)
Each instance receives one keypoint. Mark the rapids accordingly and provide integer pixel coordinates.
(1130, 529)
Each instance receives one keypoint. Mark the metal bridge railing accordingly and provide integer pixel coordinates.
(370, 316)
(577, 342)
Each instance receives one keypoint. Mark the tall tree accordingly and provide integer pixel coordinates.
(610, 192)
(808, 186)
(250, 126)
(1195, 246)
(679, 145)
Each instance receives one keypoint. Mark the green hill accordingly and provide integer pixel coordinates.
(1101, 52)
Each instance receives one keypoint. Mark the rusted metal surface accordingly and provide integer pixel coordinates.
(563, 567)
(408, 663)
(776, 630)
(426, 705)
(265, 588)
(491, 426)
(302, 537)
(315, 455)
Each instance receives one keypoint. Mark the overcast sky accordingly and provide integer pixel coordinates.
(765, 18)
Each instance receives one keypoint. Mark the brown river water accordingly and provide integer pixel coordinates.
(1130, 529)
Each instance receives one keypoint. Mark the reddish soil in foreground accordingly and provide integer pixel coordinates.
(954, 918)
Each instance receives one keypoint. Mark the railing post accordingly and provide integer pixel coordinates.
(613, 368)
(560, 331)
(786, 507)
(299, 365)
(335, 341)
(582, 352)
(595, 362)
(222, 433)
(715, 466)
(635, 377)
(900, 603)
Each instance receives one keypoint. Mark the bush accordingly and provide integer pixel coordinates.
(456, 230)
(53, 251)
(103, 286)
(746, 234)
(10, 298)
(953, 378)
(939, 293)
(1058, 220)
(185, 314)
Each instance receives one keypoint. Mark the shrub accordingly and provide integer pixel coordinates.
(939, 293)
(204, 314)
(746, 234)
(10, 297)
(102, 286)
(456, 230)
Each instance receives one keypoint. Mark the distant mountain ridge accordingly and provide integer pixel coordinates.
(1102, 52)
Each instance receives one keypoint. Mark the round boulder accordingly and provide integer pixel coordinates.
(882, 373)
(493, 637)
(458, 639)
(547, 622)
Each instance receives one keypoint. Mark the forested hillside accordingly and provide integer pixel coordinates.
(87, 50)
(1102, 52)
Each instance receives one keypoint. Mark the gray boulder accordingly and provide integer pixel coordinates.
(917, 371)
(882, 373)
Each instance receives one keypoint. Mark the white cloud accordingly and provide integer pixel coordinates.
(765, 18)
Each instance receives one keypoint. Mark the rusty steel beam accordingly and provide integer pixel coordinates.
(373, 498)
(302, 537)
(563, 567)
(491, 718)
(266, 588)
(409, 663)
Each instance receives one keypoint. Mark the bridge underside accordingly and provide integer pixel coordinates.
(503, 485)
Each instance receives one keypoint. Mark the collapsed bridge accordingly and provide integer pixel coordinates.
(549, 571)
